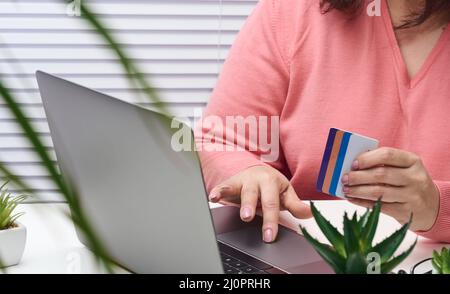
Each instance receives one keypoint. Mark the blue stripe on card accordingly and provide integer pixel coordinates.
(326, 159)
(340, 160)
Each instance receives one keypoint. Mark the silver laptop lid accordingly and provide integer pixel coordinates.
(146, 201)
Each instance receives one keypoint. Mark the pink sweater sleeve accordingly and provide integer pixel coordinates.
(441, 228)
(253, 82)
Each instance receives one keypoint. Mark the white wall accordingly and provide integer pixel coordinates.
(179, 44)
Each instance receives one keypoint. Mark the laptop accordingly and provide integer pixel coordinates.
(147, 203)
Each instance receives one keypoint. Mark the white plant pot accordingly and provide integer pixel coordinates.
(12, 245)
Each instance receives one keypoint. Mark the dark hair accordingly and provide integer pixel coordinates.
(430, 8)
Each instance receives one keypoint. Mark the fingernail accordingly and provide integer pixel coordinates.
(246, 212)
(213, 196)
(346, 189)
(268, 235)
(355, 165)
(345, 179)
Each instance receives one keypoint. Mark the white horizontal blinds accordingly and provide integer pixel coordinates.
(178, 44)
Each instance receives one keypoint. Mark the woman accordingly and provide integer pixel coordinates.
(323, 64)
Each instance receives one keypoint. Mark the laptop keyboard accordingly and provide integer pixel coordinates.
(237, 262)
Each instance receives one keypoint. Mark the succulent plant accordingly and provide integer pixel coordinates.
(441, 261)
(352, 252)
(8, 204)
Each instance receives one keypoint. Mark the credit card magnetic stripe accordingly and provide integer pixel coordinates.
(340, 160)
(334, 155)
(326, 159)
(332, 162)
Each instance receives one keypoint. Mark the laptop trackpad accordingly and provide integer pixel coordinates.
(290, 252)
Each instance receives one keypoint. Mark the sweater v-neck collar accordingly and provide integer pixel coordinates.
(413, 81)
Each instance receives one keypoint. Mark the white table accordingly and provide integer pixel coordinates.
(52, 245)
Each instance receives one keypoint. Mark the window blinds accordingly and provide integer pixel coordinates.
(178, 44)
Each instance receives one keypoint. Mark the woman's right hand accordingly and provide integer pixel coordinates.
(261, 186)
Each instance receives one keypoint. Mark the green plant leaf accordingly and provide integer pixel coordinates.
(437, 259)
(445, 261)
(351, 241)
(8, 204)
(32, 136)
(2, 187)
(387, 267)
(354, 218)
(370, 228)
(356, 264)
(446, 268)
(388, 246)
(436, 267)
(15, 217)
(355, 227)
(363, 219)
(441, 261)
(444, 253)
(331, 233)
(7, 173)
(333, 258)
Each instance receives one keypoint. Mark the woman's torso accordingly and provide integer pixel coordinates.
(349, 74)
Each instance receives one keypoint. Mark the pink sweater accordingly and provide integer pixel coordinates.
(319, 71)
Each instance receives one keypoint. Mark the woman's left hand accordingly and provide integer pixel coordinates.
(400, 179)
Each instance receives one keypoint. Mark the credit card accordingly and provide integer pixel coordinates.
(341, 150)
